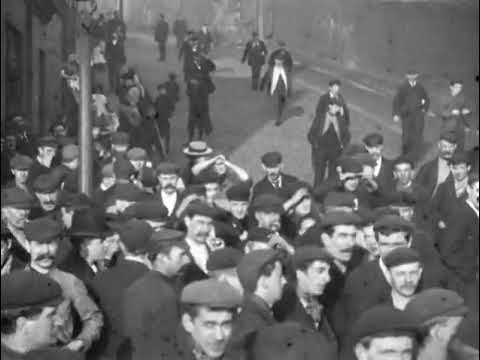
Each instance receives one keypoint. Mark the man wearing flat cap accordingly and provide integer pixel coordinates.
(383, 169)
(382, 333)
(261, 275)
(329, 133)
(46, 188)
(436, 171)
(439, 313)
(108, 286)
(44, 236)
(410, 105)
(20, 167)
(42, 164)
(238, 197)
(153, 212)
(67, 170)
(29, 302)
(299, 302)
(222, 265)
(150, 304)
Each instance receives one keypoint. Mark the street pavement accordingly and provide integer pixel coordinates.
(243, 120)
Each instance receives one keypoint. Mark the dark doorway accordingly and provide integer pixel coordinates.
(14, 71)
(41, 89)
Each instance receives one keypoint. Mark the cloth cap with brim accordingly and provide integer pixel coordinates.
(401, 256)
(21, 162)
(268, 203)
(120, 138)
(335, 218)
(211, 293)
(373, 139)
(126, 192)
(383, 320)
(136, 236)
(197, 148)
(393, 223)
(167, 168)
(226, 258)
(88, 223)
(47, 141)
(436, 302)
(309, 253)
(137, 154)
(70, 152)
(123, 169)
(239, 192)
(169, 235)
(201, 209)
(251, 265)
(43, 230)
(74, 201)
(271, 159)
(339, 199)
(403, 159)
(147, 210)
(350, 165)
(226, 232)
(46, 183)
(17, 198)
(449, 136)
(460, 157)
(23, 290)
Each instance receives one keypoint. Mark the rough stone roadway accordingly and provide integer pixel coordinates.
(243, 119)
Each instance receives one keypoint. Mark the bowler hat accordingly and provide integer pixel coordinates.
(88, 223)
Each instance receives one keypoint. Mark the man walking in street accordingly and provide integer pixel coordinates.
(410, 106)
(161, 36)
(255, 53)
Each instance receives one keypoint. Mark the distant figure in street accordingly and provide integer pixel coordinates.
(186, 51)
(410, 106)
(205, 39)
(180, 31)
(115, 54)
(329, 133)
(164, 108)
(173, 89)
(255, 53)
(161, 36)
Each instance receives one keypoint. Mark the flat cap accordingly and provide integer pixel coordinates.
(137, 154)
(271, 159)
(211, 293)
(123, 168)
(136, 235)
(310, 253)
(268, 203)
(21, 162)
(401, 256)
(168, 235)
(126, 192)
(460, 157)
(434, 302)
(449, 136)
(43, 230)
(393, 223)
(74, 201)
(350, 165)
(382, 320)
(16, 198)
(70, 152)
(335, 218)
(147, 210)
(373, 139)
(250, 266)
(22, 290)
(340, 199)
(200, 208)
(225, 258)
(47, 141)
(120, 138)
(167, 168)
(239, 192)
(46, 183)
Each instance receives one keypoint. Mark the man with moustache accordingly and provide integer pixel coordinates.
(46, 188)
(42, 164)
(167, 193)
(300, 303)
(44, 235)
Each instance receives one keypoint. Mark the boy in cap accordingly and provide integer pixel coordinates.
(436, 171)
(439, 313)
(410, 105)
(222, 265)
(382, 333)
(261, 274)
(255, 52)
(383, 169)
(42, 164)
(300, 303)
(108, 287)
(44, 236)
(20, 167)
(29, 303)
(150, 304)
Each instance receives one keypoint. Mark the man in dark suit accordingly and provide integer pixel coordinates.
(460, 244)
(383, 170)
(167, 193)
(275, 182)
(185, 51)
(161, 36)
(255, 53)
(436, 171)
(150, 304)
(409, 106)
(329, 133)
(299, 302)
(42, 164)
(180, 30)
(108, 287)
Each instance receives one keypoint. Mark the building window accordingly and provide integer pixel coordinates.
(14, 71)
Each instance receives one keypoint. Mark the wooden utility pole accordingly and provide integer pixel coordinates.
(260, 27)
(85, 125)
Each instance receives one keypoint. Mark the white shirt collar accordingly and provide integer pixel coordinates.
(384, 269)
(199, 252)
(473, 207)
(378, 166)
(169, 200)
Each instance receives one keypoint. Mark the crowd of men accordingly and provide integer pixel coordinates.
(372, 260)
